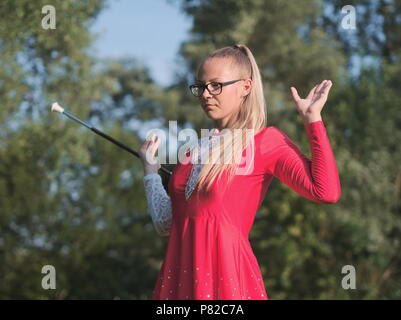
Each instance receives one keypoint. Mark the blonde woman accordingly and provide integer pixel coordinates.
(210, 207)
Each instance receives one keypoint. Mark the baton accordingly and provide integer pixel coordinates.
(57, 108)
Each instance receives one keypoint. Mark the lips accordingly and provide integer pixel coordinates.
(207, 106)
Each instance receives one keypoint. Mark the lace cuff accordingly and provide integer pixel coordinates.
(159, 203)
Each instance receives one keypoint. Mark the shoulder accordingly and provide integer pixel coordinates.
(270, 132)
(270, 138)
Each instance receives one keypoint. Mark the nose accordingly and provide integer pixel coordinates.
(205, 94)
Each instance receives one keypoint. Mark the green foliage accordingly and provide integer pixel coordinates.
(67, 198)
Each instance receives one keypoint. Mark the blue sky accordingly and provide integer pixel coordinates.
(149, 30)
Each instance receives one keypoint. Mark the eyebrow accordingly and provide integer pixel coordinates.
(197, 80)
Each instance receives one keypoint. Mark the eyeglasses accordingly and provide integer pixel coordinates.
(214, 88)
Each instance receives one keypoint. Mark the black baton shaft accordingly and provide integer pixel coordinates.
(165, 170)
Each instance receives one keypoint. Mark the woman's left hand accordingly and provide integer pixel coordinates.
(311, 107)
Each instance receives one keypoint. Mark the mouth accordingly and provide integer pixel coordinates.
(208, 106)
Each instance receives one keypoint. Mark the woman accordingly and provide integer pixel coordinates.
(210, 208)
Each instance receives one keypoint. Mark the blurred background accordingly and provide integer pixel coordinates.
(71, 199)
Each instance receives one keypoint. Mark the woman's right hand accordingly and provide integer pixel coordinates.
(147, 154)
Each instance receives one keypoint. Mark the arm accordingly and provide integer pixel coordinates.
(316, 179)
(159, 203)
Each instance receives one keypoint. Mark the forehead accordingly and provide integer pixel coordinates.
(215, 69)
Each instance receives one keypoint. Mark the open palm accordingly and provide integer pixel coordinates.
(314, 102)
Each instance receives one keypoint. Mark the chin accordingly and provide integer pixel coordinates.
(212, 115)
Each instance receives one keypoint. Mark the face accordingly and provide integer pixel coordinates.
(222, 108)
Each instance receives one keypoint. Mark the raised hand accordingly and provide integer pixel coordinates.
(310, 108)
(147, 154)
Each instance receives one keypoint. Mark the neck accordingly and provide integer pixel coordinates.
(224, 123)
(219, 125)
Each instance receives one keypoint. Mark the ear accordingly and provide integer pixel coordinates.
(248, 84)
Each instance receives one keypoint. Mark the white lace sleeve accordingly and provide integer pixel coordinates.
(159, 203)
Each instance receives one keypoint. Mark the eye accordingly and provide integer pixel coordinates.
(215, 85)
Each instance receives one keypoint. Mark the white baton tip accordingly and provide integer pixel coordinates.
(56, 107)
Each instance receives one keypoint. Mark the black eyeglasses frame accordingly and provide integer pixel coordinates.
(205, 86)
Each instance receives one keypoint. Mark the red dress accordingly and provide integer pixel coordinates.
(209, 255)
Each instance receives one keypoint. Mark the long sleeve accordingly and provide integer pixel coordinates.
(316, 179)
(159, 203)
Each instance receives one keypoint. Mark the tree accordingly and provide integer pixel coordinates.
(67, 197)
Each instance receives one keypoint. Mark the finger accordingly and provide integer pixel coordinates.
(311, 93)
(153, 148)
(326, 88)
(320, 86)
(315, 91)
(149, 154)
(151, 137)
(326, 83)
(145, 145)
(295, 95)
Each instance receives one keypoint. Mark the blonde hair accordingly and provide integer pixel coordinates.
(251, 115)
